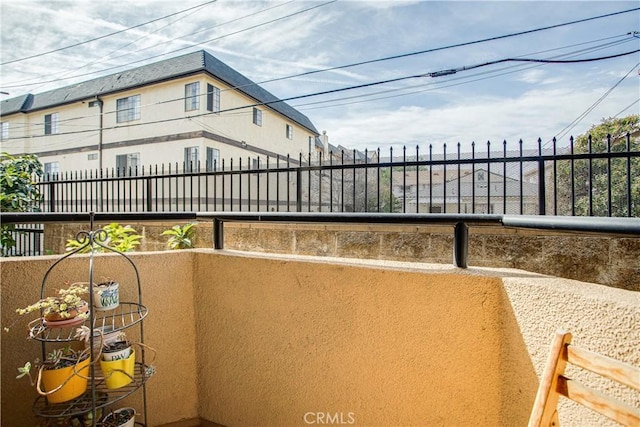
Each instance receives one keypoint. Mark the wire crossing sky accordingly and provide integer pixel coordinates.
(319, 49)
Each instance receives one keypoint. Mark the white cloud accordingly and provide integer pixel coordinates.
(532, 76)
(537, 113)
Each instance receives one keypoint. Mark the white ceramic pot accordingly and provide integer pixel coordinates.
(116, 355)
(108, 336)
(106, 297)
(129, 423)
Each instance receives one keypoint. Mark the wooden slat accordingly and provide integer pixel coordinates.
(546, 401)
(605, 405)
(605, 366)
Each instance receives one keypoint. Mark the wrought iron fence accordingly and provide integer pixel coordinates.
(28, 239)
(600, 179)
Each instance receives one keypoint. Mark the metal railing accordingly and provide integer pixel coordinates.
(28, 239)
(601, 179)
(460, 223)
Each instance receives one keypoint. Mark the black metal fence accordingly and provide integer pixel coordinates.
(601, 178)
(29, 240)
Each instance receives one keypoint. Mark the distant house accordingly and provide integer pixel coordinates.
(189, 110)
(464, 191)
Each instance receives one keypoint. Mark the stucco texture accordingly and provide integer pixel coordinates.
(166, 280)
(254, 339)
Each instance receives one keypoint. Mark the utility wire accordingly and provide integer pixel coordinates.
(104, 57)
(468, 43)
(461, 80)
(104, 36)
(98, 61)
(196, 44)
(568, 54)
(584, 114)
(626, 108)
(542, 61)
(268, 103)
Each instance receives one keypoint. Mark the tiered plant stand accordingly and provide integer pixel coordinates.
(126, 315)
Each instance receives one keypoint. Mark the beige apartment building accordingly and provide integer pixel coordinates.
(191, 111)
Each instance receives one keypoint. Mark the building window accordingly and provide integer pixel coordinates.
(213, 98)
(127, 164)
(51, 124)
(51, 168)
(289, 132)
(192, 96)
(92, 156)
(128, 109)
(257, 117)
(4, 131)
(191, 158)
(213, 159)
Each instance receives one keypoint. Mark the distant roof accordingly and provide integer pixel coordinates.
(181, 66)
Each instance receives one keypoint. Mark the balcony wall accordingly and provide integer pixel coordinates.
(256, 339)
(604, 259)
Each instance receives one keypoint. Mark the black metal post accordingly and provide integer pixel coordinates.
(218, 234)
(460, 245)
(542, 195)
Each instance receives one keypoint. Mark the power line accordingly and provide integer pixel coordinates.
(125, 45)
(575, 122)
(451, 46)
(104, 57)
(468, 43)
(268, 103)
(104, 36)
(195, 44)
(568, 54)
(464, 79)
(541, 61)
(627, 107)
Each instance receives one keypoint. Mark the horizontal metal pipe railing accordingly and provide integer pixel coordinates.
(459, 222)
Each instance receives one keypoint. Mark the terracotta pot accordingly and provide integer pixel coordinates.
(73, 313)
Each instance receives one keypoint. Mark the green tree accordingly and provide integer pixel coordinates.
(18, 191)
(615, 132)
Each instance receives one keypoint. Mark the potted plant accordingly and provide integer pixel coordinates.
(123, 417)
(118, 364)
(181, 236)
(102, 336)
(62, 376)
(106, 295)
(117, 350)
(65, 309)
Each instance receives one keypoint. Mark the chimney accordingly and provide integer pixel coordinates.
(324, 138)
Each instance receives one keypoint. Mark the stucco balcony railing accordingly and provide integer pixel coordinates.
(265, 339)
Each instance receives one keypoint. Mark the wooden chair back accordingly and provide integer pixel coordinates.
(554, 383)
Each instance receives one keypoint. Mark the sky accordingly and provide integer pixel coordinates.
(298, 49)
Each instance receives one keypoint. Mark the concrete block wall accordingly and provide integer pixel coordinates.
(606, 260)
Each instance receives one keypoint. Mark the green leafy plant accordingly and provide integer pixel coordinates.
(18, 191)
(119, 237)
(56, 359)
(589, 185)
(181, 236)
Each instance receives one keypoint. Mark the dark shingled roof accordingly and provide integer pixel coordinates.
(189, 64)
